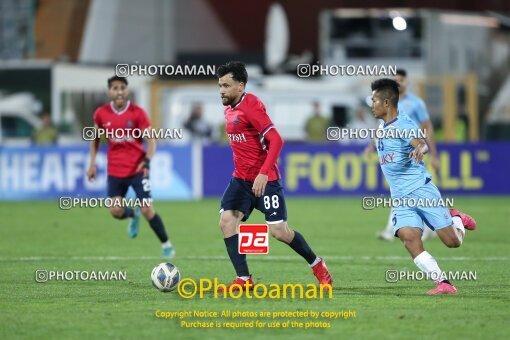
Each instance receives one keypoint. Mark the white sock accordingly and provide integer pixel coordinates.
(317, 260)
(458, 227)
(429, 266)
(166, 244)
(245, 278)
(389, 226)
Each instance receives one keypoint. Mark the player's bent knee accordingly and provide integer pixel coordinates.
(412, 240)
(228, 224)
(281, 232)
(449, 238)
(453, 243)
(413, 245)
(225, 222)
(278, 234)
(409, 234)
(148, 212)
(116, 212)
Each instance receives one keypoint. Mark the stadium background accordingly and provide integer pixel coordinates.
(55, 57)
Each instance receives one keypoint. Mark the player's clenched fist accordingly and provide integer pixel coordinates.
(91, 173)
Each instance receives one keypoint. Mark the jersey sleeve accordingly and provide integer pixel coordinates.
(275, 147)
(410, 130)
(258, 116)
(421, 111)
(143, 120)
(97, 118)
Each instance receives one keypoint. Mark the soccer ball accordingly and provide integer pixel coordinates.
(165, 277)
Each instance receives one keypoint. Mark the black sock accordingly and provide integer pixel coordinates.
(238, 260)
(299, 245)
(128, 212)
(157, 225)
(446, 281)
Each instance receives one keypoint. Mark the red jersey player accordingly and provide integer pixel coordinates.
(256, 145)
(128, 162)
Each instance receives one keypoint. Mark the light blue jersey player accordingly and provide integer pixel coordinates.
(415, 198)
(403, 175)
(410, 182)
(414, 107)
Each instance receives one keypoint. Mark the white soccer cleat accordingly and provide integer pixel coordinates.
(428, 234)
(385, 236)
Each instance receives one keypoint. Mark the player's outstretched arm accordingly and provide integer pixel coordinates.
(94, 146)
(420, 148)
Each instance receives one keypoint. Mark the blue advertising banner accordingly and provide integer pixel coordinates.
(217, 169)
(40, 172)
(333, 169)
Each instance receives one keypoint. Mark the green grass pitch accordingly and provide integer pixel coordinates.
(37, 235)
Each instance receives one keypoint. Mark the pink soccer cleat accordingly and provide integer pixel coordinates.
(468, 222)
(443, 288)
(237, 285)
(322, 274)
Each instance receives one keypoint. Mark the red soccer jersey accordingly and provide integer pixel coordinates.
(124, 154)
(246, 124)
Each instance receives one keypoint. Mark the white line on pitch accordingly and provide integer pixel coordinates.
(252, 258)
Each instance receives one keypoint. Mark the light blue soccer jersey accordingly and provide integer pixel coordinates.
(402, 173)
(414, 107)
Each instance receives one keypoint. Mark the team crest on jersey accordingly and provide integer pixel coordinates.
(236, 120)
(129, 123)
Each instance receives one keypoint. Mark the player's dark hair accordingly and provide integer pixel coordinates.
(237, 69)
(116, 78)
(388, 88)
(401, 72)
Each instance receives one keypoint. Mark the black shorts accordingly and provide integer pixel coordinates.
(238, 196)
(119, 186)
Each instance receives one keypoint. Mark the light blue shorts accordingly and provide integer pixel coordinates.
(422, 205)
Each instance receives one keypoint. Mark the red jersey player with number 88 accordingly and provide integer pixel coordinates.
(256, 145)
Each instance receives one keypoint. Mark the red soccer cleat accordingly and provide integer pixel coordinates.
(238, 284)
(443, 288)
(322, 274)
(468, 222)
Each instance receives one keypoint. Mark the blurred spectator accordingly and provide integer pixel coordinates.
(200, 129)
(47, 133)
(316, 125)
(361, 121)
(223, 137)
